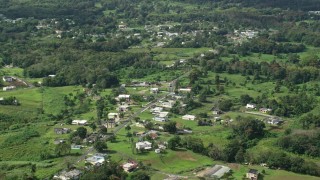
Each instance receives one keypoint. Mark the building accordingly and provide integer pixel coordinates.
(114, 116)
(274, 121)
(216, 171)
(185, 90)
(145, 145)
(154, 90)
(251, 106)
(123, 108)
(252, 174)
(59, 141)
(76, 147)
(265, 110)
(156, 110)
(161, 117)
(125, 97)
(8, 88)
(129, 166)
(62, 130)
(189, 117)
(96, 159)
(7, 78)
(80, 122)
(66, 175)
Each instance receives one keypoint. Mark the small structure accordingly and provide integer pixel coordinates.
(152, 134)
(157, 151)
(129, 166)
(154, 90)
(80, 122)
(59, 141)
(252, 174)
(216, 111)
(215, 172)
(114, 116)
(125, 97)
(167, 104)
(156, 110)
(96, 159)
(123, 108)
(145, 145)
(7, 78)
(185, 90)
(52, 75)
(161, 117)
(274, 121)
(66, 175)
(62, 130)
(76, 147)
(265, 110)
(251, 106)
(189, 117)
(8, 88)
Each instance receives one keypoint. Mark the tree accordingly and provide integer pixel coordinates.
(240, 156)
(170, 127)
(248, 128)
(62, 149)
(225, 105)
(81, 132)
(148, 125)
(127, 128)
(245, 99)
(100, 146)
(174, 142)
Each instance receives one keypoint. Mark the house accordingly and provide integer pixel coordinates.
(274, 121)
(154, 90)
(167, 104)
(184, 90)
(189, 117)
(184, 131)
(129, 166)
(62, 130)
(265, 110)
(161, 116)
(96, 160)
(156, 110)
(216, 111)
(66, 175)
(216, 171)
(8, 88)
(157, 151)
(125, 97)
(52, 75)
(152, 134)
(76, 147)
(79, 122)
(123, 108)
(252, 174)
(59, 141)
(145, 145)
(7, 78)
(114, 116)
(251, 106)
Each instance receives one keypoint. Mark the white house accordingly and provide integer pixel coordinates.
(251, 106)
(265, 110)
(185, 90)
(124, 96)
(114, 116)
(67, 175)
(154, 90)
(97, 159)
(129, 166)
(189, 117)
(8, 88)
(161, 116)
(144, 145)
(7, 78)
(156, 110)
(79, 122)
(52, 75)
(123, 108)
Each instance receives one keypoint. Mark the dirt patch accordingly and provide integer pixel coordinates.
(185, 156)
(234, 166)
